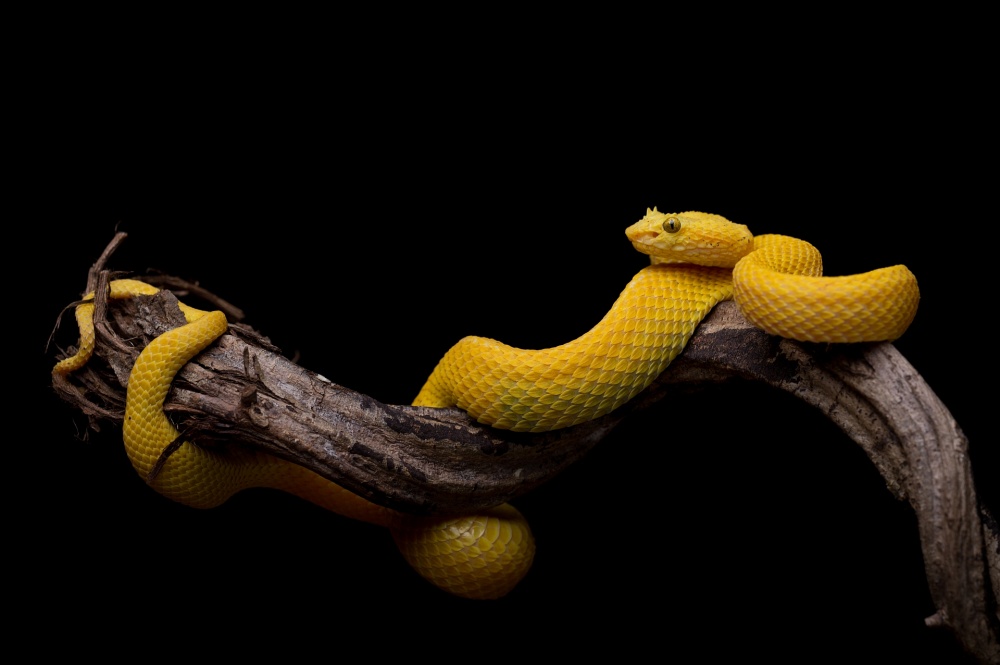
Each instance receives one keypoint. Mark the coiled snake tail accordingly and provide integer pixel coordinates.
(480, 556)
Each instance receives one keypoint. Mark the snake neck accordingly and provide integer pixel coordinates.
(540, 390)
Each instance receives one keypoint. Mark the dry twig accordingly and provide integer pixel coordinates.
(242, 391)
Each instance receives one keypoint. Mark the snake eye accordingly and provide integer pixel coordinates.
(671, 225)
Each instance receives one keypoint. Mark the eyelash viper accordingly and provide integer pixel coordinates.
(697, 260)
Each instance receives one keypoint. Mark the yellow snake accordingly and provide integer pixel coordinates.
(697, 260)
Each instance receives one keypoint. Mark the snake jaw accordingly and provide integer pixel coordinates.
(690, 237)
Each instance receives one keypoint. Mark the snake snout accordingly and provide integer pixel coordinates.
(644, 237)
(644, 245)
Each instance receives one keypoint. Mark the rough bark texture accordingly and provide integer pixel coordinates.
(438, 460)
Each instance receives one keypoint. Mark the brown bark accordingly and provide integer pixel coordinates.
(242, 391)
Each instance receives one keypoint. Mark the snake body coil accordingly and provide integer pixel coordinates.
(776, 282)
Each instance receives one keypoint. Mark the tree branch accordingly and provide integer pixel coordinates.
(242, 391)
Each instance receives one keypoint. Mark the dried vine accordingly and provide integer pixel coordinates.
(242, 391)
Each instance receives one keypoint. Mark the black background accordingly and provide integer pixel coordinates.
(369, 234)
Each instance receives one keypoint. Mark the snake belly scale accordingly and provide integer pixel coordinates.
(697, 260)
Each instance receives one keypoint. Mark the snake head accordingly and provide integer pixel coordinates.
(690, 237)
